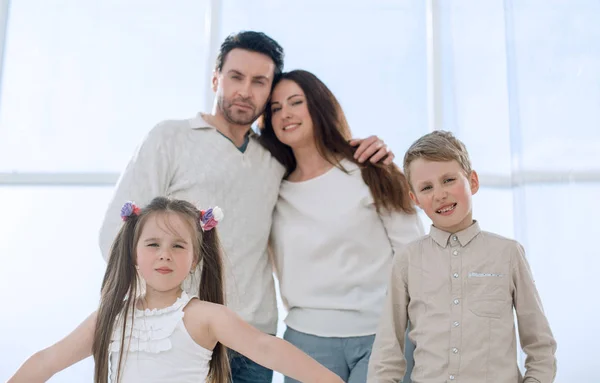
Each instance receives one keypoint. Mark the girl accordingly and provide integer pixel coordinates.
(147, 329)
(335, 229)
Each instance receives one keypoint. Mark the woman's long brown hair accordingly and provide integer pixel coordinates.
(120, 286)
(387, 184)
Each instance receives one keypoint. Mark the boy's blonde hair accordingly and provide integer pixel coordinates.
(438, 146)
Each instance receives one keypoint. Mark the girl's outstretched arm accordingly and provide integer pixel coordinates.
(42, 365)
(229, 329)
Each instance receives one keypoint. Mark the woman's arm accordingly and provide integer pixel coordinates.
(401, 228)
(267, 350)
(42, 365)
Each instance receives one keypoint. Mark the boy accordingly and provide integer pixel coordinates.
(458, 286)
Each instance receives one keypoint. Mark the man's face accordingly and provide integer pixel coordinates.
(243, 85)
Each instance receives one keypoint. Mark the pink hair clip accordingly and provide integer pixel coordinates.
(210, 218)
(128, 209)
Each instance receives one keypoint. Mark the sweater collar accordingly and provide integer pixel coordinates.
(199, 122)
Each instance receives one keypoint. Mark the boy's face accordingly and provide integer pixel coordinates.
(443, 191)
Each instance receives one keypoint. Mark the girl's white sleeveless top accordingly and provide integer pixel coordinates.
(159, 348)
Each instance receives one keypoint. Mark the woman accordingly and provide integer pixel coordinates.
(336, 226)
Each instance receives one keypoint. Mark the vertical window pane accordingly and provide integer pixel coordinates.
(475, 99)
(52, 270)
(561, 232)
(84, 80)
(557, 81)
(542, 58)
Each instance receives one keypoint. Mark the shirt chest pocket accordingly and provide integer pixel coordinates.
(488, 294)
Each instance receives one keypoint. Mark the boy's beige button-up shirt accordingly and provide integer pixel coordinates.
(459, 290)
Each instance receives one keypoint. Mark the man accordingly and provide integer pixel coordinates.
(215, 159)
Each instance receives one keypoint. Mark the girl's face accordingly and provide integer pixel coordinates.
(165, 251)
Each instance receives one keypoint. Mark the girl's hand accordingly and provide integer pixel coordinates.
(229, 329)
(44, 364)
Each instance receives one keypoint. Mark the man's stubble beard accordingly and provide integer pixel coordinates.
(226, 107)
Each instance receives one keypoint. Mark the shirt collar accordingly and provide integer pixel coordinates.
(465, 236)
(199, 123)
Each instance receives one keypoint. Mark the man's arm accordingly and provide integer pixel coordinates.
(388, 363)
(147, 175)
(373, 149)
(536, 337)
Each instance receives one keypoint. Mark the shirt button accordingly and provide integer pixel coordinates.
(454, 238)
(456, 301)
(456, 324)
(451, 377)
(455, 252)
(455, 275)
(455, 350)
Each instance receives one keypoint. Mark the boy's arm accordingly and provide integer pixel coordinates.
(44, 364)
(147, 175)
(402, 229)
(536, 337)
(266, 350)
(387, 363)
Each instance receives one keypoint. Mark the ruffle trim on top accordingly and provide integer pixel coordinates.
(151, 330)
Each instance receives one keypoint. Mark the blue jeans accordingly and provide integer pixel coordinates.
(244, 370)
(348, 357)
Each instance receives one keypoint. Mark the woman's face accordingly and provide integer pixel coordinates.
(290, 116)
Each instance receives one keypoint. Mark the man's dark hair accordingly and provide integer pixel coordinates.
(254, 42)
